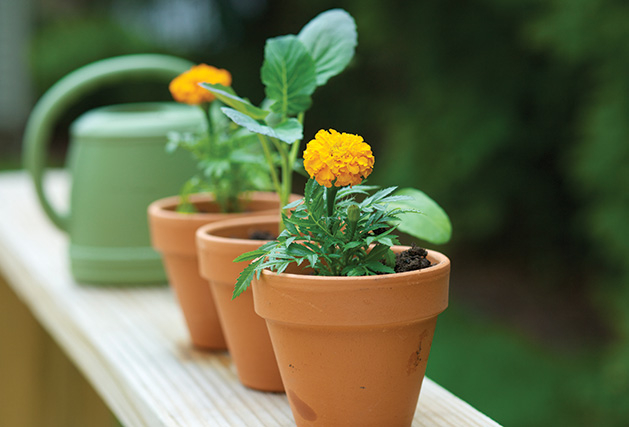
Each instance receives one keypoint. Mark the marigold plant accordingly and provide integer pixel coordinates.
(329, 229)
(229, 159)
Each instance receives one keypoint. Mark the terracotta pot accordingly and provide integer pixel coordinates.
(352, 351)
(245, 332)
(173, 235)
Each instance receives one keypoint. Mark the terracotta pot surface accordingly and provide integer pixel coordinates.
(246, 333)
(353, 350)
(173, 235)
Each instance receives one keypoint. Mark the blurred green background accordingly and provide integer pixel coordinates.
(512, 114)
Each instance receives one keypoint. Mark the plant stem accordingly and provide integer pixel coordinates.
(210, 127)
(330, 194)
(287, 171)
(287, 167)
(274, 177)
(269, 160)
(353, 216)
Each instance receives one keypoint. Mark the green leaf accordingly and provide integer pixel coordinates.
(389, 258)
(294, 204)
(279, 268)
(377, 196)
(245, 278)
(290, 227)
(355, 271)
(331, 39)
(432, 225)
(288, 73)
(352, 245)
(273, 119)
(297, 250)
(288, 131)
(378, 267)
(384, 240)
(249, 256)
(356, 189)
(256, 253)
(228, 97)
(376, 253)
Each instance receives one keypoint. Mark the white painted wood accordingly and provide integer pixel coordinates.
(131, 343)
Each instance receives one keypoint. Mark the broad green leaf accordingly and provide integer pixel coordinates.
(228, 96)
(432, 225)
(331, 39)
(288, 131)
(273, 119)
(288, 73)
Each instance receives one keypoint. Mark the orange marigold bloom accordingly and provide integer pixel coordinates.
(338, 158)
(185, 87)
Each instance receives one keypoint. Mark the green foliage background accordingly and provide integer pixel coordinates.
(513, 115)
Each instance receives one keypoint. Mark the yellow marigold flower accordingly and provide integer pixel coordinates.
(185, 87)
(338, 158)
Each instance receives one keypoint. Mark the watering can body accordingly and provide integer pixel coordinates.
(118, 166)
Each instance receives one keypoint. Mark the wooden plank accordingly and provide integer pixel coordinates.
(39, 384)
(131, 343)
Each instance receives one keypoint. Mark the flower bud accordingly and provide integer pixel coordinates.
(353, 214)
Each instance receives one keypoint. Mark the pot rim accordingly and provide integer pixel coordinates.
(442, 266)
(164, 208)
(441, 263)
(204, 232)
(387, 299)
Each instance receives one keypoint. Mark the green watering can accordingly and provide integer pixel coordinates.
(118, 166)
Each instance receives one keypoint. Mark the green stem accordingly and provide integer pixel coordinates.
(286, 174)
(269, 160)
(274, 177)
(353, 216)
(330, 194)
(210, 127)
(290, 162)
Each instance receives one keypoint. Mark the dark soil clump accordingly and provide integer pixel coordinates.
(411, 259)
(262, 235)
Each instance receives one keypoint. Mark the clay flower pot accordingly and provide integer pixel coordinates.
(353, 350)
(173, 235)
(245, 332)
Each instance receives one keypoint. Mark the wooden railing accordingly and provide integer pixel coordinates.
(131, 343)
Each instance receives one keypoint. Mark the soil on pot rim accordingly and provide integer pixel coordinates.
(262, 235)
(411, 259)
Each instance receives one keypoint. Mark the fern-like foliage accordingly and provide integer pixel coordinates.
(355, 240)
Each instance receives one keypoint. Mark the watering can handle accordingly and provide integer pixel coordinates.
(67, 90)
